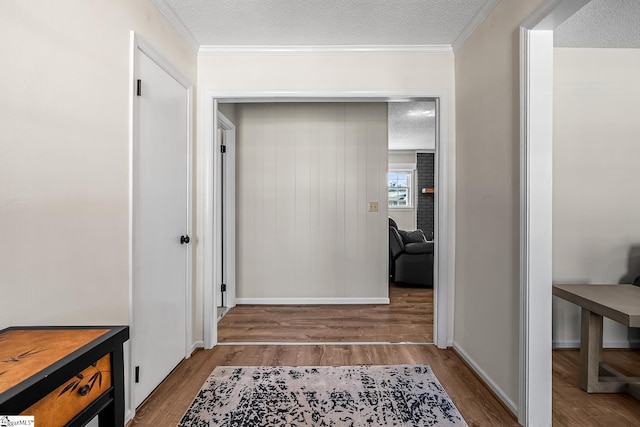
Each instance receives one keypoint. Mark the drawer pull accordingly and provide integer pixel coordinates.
(84, 390)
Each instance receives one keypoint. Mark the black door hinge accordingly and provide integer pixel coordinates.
(137, 374)
(223, 287)
(139, 87)
(223, 148)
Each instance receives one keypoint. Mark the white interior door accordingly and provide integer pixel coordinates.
(226, 136)
(160, 226)
(222, 289)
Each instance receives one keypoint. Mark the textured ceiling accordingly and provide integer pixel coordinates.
(412, 125)
(325, 22)
(602, 24)
(300, 23)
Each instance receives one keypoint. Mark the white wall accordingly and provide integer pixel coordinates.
(329, 73)
(596, 203)
(402, 156)
(65, 155)
(305, 173)
(64, 162)
(487, 198)
(406, 218)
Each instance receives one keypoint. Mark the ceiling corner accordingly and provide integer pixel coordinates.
(474, 23)
(176, 23)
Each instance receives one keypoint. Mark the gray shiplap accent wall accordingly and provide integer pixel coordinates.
(305, 174)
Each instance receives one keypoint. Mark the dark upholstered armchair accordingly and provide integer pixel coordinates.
(410, 257)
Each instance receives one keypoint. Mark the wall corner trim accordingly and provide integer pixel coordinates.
(510, 404)
(196, 345)
(474, 23)
(176, 23)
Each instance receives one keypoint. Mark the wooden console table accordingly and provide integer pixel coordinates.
(617, 302)
(63, 376)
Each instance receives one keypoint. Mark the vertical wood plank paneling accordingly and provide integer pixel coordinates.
(367, 179)
(301, 264)
(339, 230)
(371, 191)
(242, 163)
(253, 194)
(337, 201)
(326, 143)
(381, 134)
(267, 211)
(285, 244)
(305, 175)
(313, 121)
(352, 203)
(259, 237)
(357, 116)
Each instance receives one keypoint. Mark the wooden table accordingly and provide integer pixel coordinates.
(617, 302)
(63, 376)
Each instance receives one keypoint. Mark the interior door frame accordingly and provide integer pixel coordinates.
(210, 214)
(536, 204)
(229, 205)
(139, 45)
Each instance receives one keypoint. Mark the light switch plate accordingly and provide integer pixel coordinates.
(373, 206)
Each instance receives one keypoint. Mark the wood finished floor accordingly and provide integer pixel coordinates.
(574, 407)
(408, 318)
(479, 407)
(168, 403)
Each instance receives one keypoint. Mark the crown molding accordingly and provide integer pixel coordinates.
(474, 23)
(176, 23)
(211, 50)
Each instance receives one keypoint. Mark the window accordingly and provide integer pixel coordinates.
(399, 184)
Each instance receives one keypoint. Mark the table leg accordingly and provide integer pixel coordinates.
(591, 357)
(590, 350)
(113, 415)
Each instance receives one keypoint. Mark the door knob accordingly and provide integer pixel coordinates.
(184, 239)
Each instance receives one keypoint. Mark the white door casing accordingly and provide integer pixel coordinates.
(536, 199)
(160, 216)
(211, 206)
(226, 129)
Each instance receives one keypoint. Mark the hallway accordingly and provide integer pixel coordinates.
(408, 318)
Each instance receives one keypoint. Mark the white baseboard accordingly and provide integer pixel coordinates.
(307, 301)
(320, 343)
(487, 380)
(635, 343)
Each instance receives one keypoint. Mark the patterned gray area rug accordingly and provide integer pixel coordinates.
(396, 395)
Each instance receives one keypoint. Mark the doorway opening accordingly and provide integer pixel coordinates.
(440, 264)
(411, 201)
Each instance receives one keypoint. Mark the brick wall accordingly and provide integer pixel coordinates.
(425, 209)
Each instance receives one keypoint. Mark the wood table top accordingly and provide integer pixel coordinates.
(25, 352)
(617, 302)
